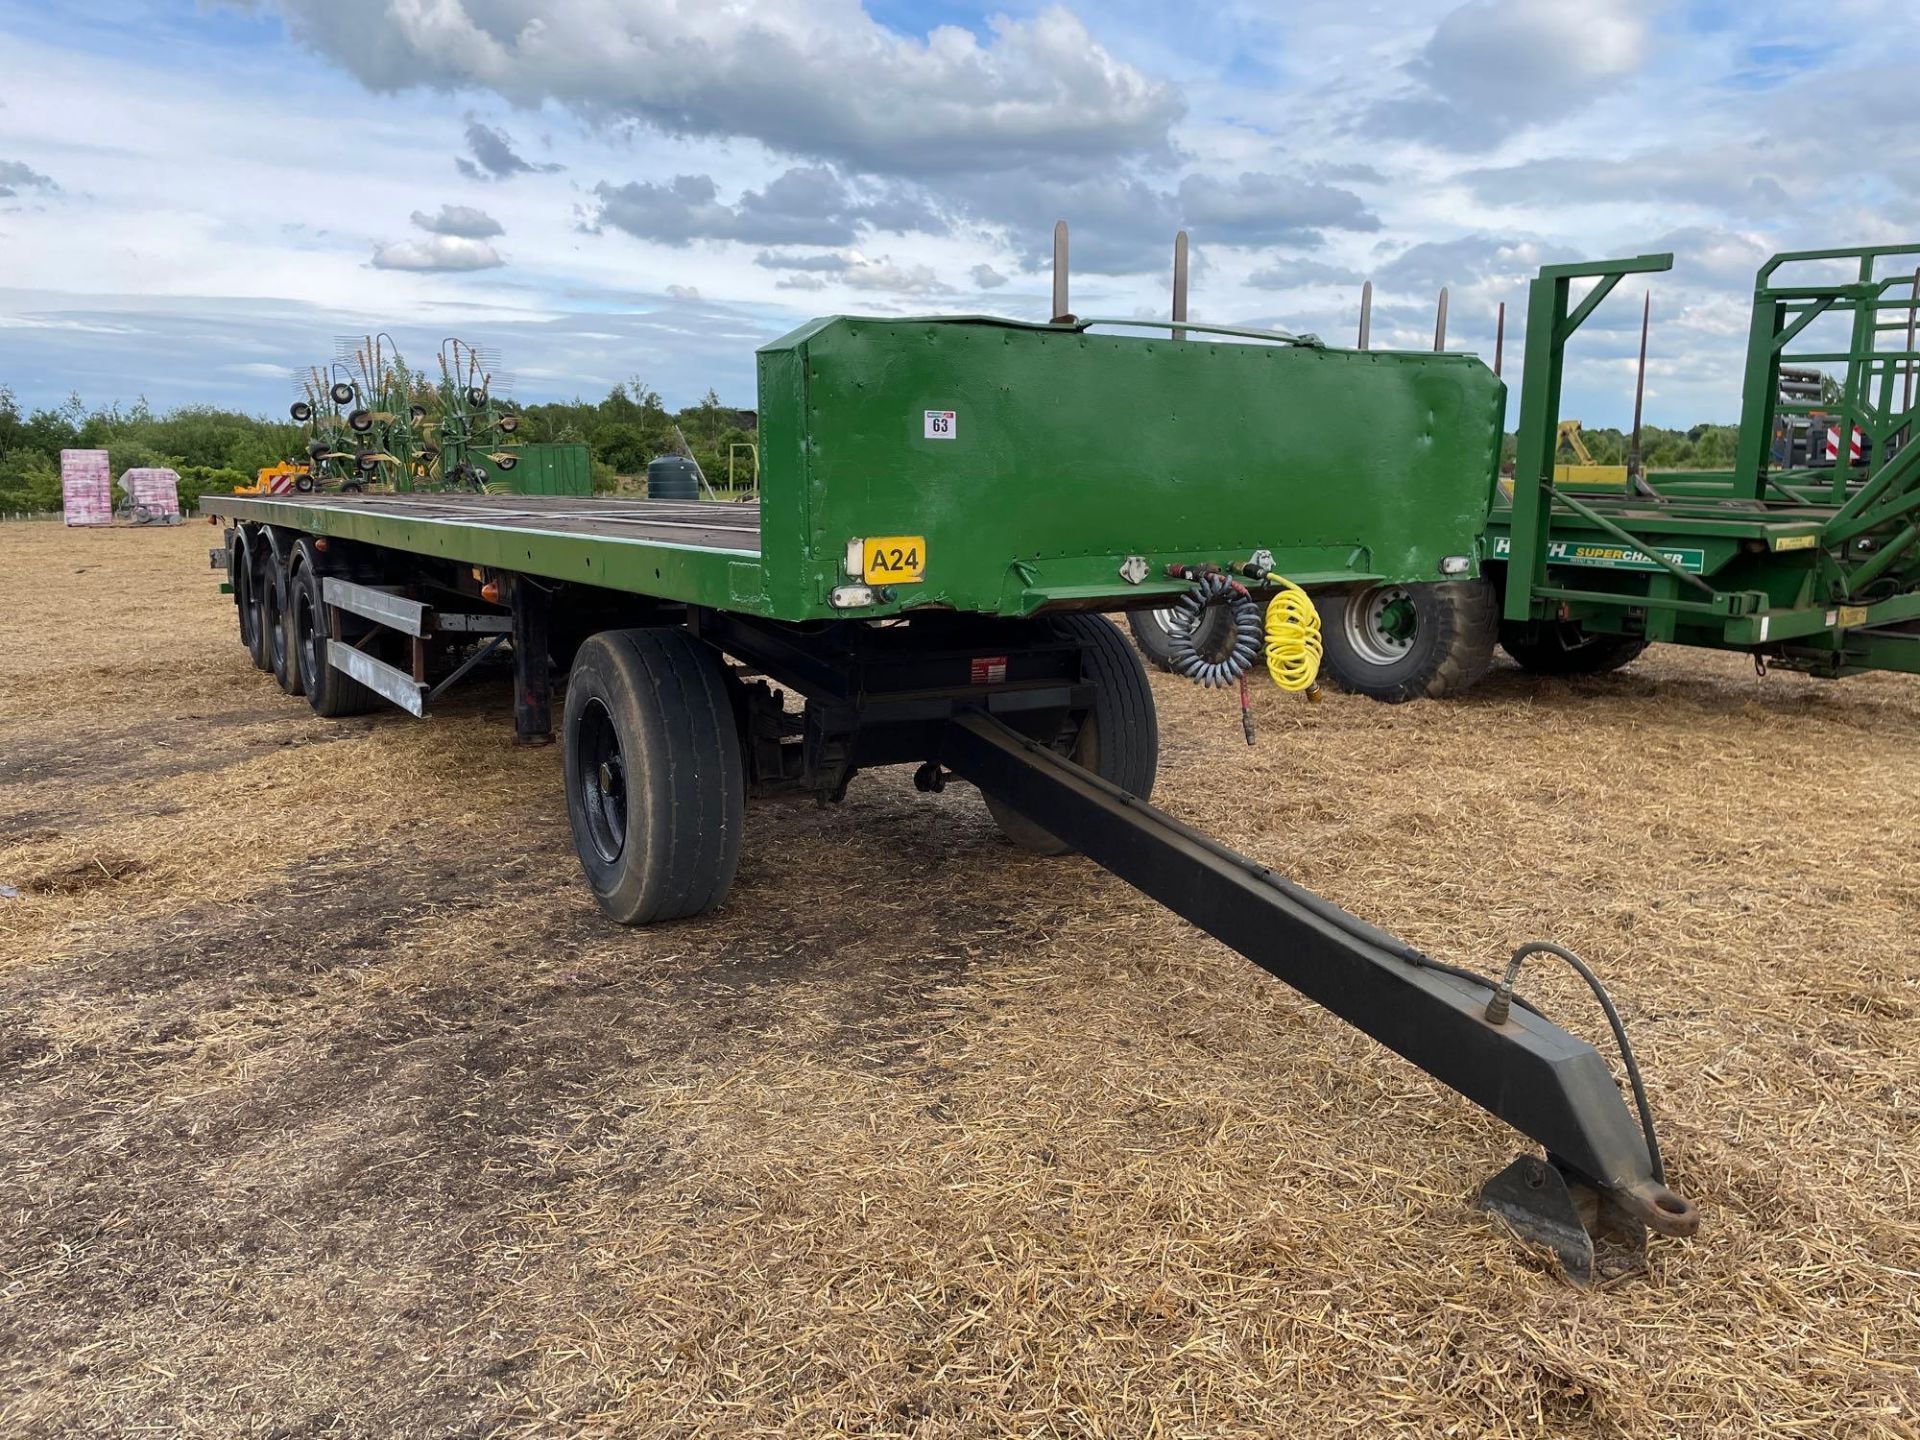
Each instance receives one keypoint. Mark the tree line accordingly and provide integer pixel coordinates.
(214, 450)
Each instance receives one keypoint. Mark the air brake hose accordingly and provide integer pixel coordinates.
(1208, 588)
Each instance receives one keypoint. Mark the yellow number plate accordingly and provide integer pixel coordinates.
(894, 559)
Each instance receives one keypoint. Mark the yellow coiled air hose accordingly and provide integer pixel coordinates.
(1293, 639)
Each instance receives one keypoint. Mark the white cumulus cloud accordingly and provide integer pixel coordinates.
(810, 77)
(436, 252)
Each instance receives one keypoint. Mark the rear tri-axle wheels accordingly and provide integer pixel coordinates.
(330, 691)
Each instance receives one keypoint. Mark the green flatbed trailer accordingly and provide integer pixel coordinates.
(1811, 567)
(946, 506)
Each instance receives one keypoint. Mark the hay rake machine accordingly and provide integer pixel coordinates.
(947, 507)
(474, 427)
(374, 422)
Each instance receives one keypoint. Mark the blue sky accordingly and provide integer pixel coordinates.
(196, 199)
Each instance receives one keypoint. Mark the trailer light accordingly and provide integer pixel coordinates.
(321, 544)
(850, 597)
(1455, 564)
(490, 592)
(857, 557)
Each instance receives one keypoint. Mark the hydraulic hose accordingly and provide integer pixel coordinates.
(1503, 997)
(1292, 638)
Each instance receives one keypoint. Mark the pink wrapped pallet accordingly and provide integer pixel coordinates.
(153, 494)
(86, 487)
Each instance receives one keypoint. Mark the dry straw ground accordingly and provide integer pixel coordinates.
(328, 1107)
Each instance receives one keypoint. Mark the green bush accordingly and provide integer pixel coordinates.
(198, 480)
(28, 481)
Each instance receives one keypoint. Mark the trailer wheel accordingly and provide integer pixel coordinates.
(331, 693)
(244, 574)
(276, 621)
(1213, 636)
(656, 788)
(1565, 647)
(1408, 642)
(1119, 739)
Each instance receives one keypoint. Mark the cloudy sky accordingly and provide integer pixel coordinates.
(196, 197)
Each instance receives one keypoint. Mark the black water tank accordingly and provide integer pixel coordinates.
(672, 477)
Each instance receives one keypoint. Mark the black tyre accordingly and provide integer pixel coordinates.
(300, 410)
(360, 421)
(656, 791)
(509, 424)
(341, 392)
(329, 691)
(476, 396)
(1563, 647)
(249, 593)
(507, 462)
(1408, 642)
(276, 617)
(1153, 633)
(1119, 740)
(303, 483)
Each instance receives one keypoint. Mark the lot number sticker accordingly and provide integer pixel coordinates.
(942, 424)
(894, 560)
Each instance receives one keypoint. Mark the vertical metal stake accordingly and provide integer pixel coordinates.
(532, 669)
(1639, 390)
(1061, 315)
(1440, 322)
(1366, 314)
(1180, 283)
(1906, 393)
(1499, 336)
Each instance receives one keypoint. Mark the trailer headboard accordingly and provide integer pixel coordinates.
(1034, 460)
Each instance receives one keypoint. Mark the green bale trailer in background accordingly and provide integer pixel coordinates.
(1806, 555)
(1810, 566)
(562, 468)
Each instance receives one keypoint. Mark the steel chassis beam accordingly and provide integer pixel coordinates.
(1546, 1083)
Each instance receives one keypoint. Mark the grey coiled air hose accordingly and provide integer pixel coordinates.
(1207, 590)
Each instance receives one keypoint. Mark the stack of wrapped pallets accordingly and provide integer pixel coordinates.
(86, 487)
(153, 495)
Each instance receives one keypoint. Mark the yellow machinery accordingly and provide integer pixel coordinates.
(286, 477)
(1583, 471)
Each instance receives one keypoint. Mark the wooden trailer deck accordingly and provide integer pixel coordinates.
(710, 524)
(699, 552)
